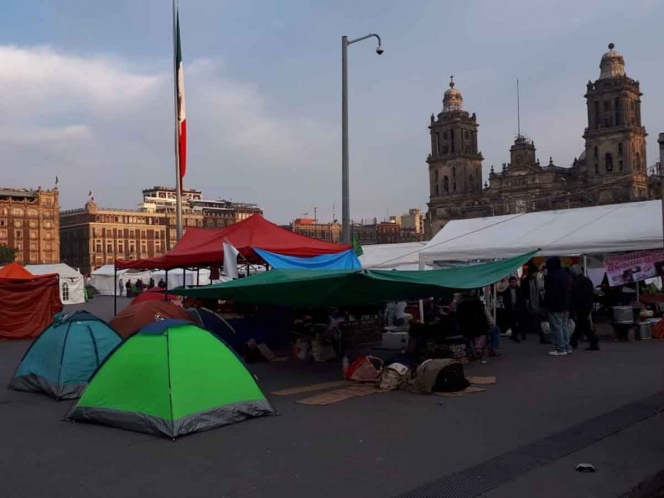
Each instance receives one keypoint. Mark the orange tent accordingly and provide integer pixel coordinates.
(28, 302)
(136, 316)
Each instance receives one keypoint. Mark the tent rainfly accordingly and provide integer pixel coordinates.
(200, 247)
(325, 288)
(605, 229)
(72, 283)
(62, 359)
(171, 378)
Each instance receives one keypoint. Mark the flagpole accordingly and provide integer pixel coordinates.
(178, 178)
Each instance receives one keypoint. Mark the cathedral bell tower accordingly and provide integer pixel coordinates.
(615, 138)
(455, 164)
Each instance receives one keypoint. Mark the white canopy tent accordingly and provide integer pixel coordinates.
(72, 283)
(573, 232)
(178, 277)
(404, 256)
(103, 279)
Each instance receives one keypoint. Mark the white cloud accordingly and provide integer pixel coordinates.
(101, 125)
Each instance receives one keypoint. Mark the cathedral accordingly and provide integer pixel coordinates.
(611, 168)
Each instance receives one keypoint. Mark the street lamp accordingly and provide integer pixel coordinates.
(660, 141)
(345, 194)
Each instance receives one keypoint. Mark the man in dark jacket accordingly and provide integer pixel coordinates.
(557, 302)
(582, 305)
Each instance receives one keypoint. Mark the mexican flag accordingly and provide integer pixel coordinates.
(181, 125)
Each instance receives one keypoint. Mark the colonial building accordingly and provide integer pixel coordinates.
(310, 227)
(92, 237)
(611, 168)
(29, 223)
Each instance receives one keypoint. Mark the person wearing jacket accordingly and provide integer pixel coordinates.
(475, 323)
(581, 307)
(557, 302)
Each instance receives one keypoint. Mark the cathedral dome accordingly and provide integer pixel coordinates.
(453, 100)
(612, 64)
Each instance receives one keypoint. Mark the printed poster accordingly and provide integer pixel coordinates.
(634, 266)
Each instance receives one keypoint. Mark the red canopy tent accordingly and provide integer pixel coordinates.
(200, 247)
(28, 302)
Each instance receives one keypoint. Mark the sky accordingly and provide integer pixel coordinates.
(87, 90)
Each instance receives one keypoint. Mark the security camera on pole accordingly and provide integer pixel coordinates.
(345, 194)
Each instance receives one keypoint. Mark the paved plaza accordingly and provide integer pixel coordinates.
(522, 437)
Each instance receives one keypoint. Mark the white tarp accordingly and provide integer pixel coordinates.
(72, 283)
(176, 278)
(594, 230)
(404, 256)
(103, 279)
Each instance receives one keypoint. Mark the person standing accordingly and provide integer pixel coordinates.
(582, 306)
(513, 302)
(557, 302)
(120, 287)
(531, 312)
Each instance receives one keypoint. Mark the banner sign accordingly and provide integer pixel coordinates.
(634, 266)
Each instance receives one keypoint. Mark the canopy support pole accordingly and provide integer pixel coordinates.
(585, 265)
(115, 290)
(422, 312)
(198, 277)
(495, 303)
(166, 293)
(184, 278)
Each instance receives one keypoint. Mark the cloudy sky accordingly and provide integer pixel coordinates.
(87, 92)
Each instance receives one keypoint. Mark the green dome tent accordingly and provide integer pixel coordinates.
(61, 361)
(171, 378)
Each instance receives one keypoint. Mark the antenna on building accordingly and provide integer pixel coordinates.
(518, 109)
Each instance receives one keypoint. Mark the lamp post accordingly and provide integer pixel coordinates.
(660, 141)
(345, 191)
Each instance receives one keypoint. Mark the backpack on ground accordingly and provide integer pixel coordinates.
(451, 379)
(364, 368)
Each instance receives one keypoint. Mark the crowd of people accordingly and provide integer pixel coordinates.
(563, 299)
(550, 303)
(132, 288)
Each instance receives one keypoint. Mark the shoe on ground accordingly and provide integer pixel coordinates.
(557, 353)
(570, 351)
(494, 353)
(592, 348)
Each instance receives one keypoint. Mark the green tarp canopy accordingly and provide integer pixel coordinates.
(325, 288)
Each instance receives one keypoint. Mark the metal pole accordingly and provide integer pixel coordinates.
(115, 291)
(178, 178)
(345, 191)
(345, 194)
(660, 141)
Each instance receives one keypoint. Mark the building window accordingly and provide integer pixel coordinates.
(472, 184)
(595, 153)
(596, 168)
(437, 189)
(109, 248)
(446, 185)
(620, 149)
(608, 162)
(65, 291)
(620, 163)
(17, 234)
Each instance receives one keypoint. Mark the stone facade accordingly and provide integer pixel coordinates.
(29, 223)
(92, 237)
(611, 169)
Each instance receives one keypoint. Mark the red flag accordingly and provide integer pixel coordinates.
(181, 115)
